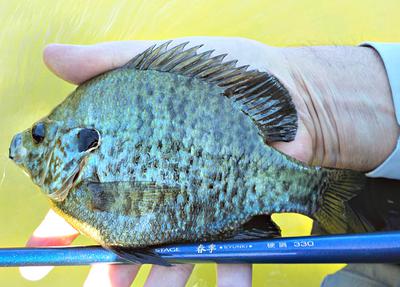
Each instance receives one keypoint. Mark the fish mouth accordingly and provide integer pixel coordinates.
(70, 183)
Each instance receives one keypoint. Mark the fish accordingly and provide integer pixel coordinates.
(173, 147)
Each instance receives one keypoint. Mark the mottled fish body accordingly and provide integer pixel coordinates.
(156, 127)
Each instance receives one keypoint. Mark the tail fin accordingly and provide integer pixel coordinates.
(353, 203)
(379, 204)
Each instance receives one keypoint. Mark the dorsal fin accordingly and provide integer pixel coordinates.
(259, 95)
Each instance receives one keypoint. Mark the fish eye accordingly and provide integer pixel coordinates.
(38, 132)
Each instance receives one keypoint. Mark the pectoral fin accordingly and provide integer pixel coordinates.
(127, 197)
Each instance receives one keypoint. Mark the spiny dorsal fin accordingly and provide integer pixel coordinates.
(260, 95)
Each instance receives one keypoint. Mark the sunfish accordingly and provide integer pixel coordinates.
(173, 147)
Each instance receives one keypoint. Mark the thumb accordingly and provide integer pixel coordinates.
(78, 63)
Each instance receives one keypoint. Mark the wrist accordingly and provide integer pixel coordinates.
(344, 102)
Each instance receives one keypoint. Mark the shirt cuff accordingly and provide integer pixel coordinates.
(390, 55)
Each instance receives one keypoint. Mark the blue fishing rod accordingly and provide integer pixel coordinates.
(379, 247)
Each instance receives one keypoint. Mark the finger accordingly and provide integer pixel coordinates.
(105, 275)
(53, 231)
(234, 275)
(176, 275)
(76, 64)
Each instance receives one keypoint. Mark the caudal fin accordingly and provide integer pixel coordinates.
(353, 203)
(379, 204)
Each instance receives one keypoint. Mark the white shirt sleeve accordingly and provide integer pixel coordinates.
(390, 54)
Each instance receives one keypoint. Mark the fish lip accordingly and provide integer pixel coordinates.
(70, 183)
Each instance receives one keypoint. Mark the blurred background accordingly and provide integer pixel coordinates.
(28, 91)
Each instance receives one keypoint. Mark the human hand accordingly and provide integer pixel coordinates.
(341, 95)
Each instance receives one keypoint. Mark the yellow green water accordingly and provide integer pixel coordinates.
(28, 91)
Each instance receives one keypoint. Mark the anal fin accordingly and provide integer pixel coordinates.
(258, 227)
